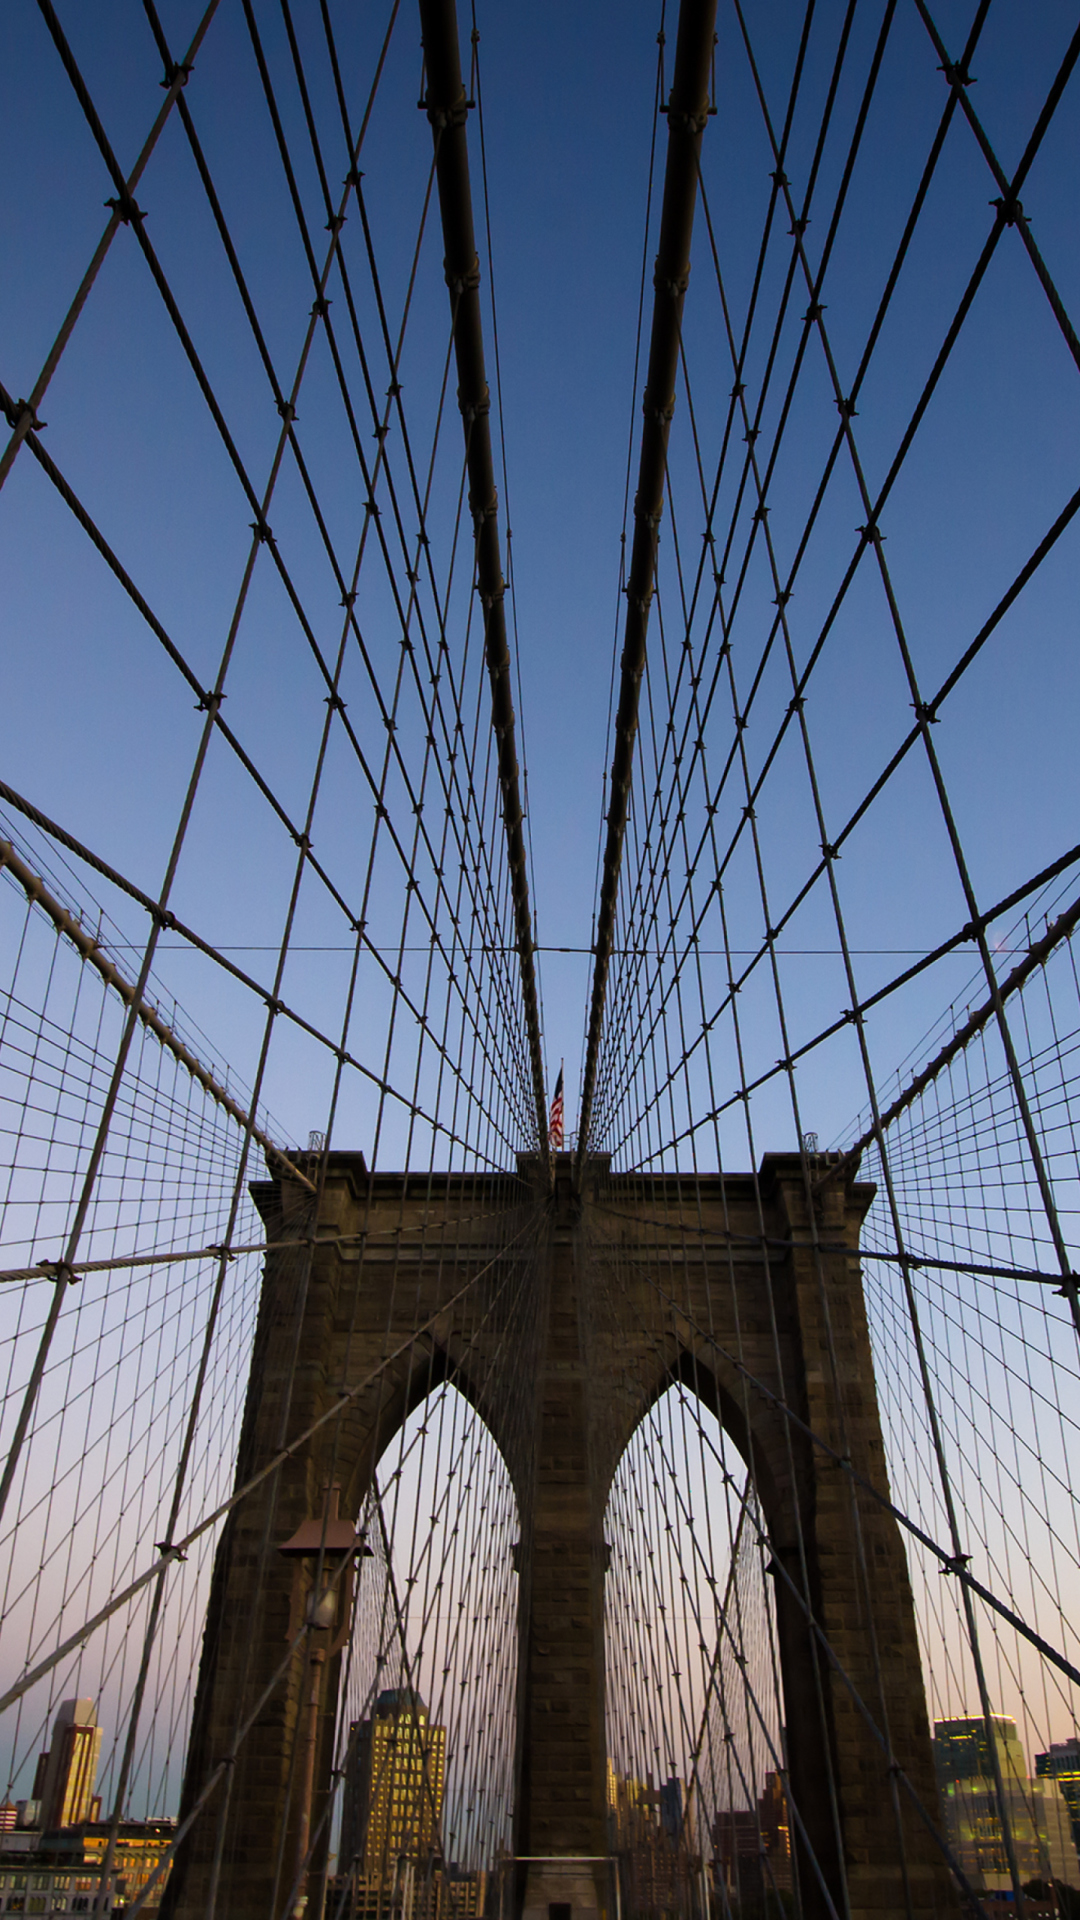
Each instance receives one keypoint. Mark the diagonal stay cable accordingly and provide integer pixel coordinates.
(688, 108)
(447, 111)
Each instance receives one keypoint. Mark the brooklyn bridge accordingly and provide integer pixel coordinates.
(611, 1447)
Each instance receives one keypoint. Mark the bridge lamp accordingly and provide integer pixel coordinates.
(333, 1539)
(338, 1545)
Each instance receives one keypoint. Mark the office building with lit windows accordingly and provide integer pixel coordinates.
(978, 1817)
(392, 1799)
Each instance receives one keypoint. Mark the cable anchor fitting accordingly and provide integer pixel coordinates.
(23, 418)
(956, 1563)
(466, 282)
(126, 208)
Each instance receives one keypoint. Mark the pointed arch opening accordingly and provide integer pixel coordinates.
(427, 1714)
(697, 1813)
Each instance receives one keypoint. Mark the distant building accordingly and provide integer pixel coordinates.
(651, 1835)
(1035, 1810)
(738, 1853)
(752, 1846)
(776, 1832)
(670, 1799)
(8, 1813)
(1062, 1764)
(59, 1873)
(64, 1783)
(464, 1893)
(392, 1799)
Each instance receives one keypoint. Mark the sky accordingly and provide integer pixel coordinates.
(98, 733)
(98, 729)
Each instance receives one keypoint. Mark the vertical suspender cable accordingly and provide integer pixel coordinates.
(447, 109)
(687, 114)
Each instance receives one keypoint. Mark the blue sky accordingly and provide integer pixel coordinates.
(99, 731)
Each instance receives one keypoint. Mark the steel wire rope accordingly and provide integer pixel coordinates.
(177, 76)
(261, 1067)
(393, 357)
(221, 427)
(841, 930)
(913, 735)
(740, 358)
(924, 719)
(879, 317)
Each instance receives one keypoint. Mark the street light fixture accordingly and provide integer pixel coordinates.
(334, 1545)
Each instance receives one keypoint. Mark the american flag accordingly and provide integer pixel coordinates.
(555, 1120)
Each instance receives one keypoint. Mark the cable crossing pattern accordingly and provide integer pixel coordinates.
(426, 1520)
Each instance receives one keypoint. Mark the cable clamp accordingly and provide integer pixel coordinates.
(798, 226)
(443, 117)
(126, 208)
(846, 409)
(287, 411)
(23, 418)
(353, 178)
(925, 713)
(466, 282)
(663, 283)
(175, 71)
(686, 120)
(830, 852)
(1010, 210)
(955, 74)
(336, 222)
(321, 306)
(261, 529)
(166, 1548)
(209, 703)
(872, 532)
(956, 1563)
(779, 178)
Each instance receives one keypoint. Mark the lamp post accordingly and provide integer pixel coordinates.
(334, 1546)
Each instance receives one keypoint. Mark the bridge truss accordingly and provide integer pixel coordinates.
(263, 620)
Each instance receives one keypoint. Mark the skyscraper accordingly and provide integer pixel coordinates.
(1062, 1764)
(70, 1766)
(393, 1790)
(976, 1815)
